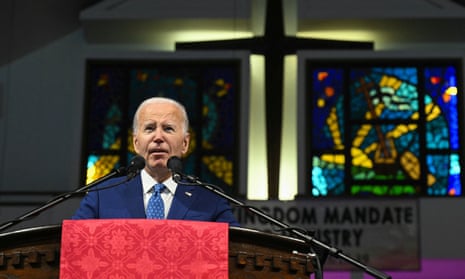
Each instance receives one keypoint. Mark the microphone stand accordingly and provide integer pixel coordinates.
(331, 250)
(60, 199)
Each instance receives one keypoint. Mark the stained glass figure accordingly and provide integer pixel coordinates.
(383, 129)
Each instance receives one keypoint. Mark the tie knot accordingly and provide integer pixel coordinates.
(158, 188)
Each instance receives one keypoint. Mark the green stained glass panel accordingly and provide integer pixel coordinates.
(383, 128)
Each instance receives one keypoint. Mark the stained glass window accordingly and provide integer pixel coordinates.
(210, 91)
(384, 127)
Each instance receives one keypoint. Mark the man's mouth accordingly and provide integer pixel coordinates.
(157, 152)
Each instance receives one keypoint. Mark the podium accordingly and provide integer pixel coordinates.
(35, 253)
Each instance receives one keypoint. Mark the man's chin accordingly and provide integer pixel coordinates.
(158, 164)
(157, 158)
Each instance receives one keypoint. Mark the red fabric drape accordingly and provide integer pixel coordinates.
(136, 248)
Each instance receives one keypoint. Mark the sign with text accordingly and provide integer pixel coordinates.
(379, 233)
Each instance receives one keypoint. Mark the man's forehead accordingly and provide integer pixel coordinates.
(161, 109)
(161, 115)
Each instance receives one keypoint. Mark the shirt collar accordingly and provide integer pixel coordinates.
(148, 182)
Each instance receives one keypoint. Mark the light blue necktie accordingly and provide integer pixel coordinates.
(155, 207)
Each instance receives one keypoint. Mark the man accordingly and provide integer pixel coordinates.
(160, 129)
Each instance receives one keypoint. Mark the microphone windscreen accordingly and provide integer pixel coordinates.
(137, 163)
(174, 164)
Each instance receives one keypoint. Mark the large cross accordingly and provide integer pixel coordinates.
(274, 45)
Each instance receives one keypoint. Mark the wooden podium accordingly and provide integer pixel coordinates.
(34, 253)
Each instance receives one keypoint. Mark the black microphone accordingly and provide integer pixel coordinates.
(137, 164)
(175, 165)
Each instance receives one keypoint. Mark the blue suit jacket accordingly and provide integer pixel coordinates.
(126, 201)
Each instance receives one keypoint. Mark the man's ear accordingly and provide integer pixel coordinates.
(185, 143)
(135, 143)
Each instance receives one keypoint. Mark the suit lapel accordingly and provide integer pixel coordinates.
(134, 197)
(183, 198)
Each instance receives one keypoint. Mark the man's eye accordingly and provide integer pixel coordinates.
(148, 129)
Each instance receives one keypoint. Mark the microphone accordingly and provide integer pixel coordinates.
(137, 164)
(174, 163)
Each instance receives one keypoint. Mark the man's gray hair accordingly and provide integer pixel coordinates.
(161, 100)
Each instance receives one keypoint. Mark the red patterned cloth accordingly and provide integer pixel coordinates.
(142, 248)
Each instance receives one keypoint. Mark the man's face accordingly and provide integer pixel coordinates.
(160, 134)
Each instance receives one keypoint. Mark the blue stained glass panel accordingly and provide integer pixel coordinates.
(387, 128)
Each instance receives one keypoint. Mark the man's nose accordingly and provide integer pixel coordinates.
(158, 135)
